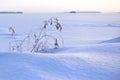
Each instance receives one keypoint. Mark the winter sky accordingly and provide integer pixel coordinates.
(59, 5)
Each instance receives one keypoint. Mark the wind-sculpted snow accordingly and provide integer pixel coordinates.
(91, 49)
(82, 66)
(114, 40)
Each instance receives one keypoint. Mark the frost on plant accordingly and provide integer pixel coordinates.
(47, 38)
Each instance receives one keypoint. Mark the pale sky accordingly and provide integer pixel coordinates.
(59, 5)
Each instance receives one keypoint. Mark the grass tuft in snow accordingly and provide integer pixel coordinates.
(47, 38)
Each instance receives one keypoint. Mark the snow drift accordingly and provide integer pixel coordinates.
(115, 40)
(82, 66)
(91, 50)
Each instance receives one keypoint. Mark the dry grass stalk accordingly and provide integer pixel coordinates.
(40, 42)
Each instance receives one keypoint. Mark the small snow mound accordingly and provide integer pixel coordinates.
(114, 40)
(114, 25)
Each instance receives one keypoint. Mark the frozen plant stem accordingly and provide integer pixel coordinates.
(42, 40)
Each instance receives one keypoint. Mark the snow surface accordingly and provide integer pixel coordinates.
(82, 66)
(91, 49)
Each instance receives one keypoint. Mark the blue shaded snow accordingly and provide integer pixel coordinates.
(84, 66)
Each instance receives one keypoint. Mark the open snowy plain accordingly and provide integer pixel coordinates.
(91, 49)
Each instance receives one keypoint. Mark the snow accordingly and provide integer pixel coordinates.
(82, 66)
(115, 40)
(91, 48)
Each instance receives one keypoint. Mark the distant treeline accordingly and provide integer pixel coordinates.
(4, 12)
(83, 12)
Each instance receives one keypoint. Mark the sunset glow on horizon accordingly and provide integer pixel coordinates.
(59, 5)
